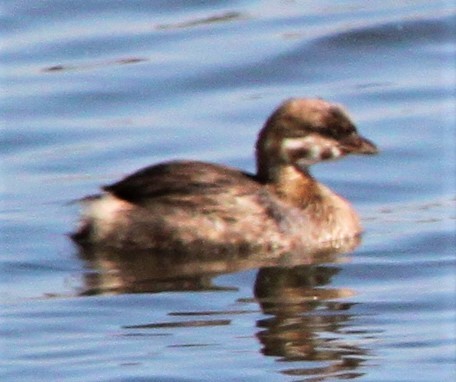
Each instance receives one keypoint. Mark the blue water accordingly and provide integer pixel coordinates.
(94, 90)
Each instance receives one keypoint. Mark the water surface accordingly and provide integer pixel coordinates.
(94, 90)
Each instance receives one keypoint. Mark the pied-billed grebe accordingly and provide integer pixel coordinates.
(191, 206)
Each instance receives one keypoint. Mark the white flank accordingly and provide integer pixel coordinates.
(105, 212)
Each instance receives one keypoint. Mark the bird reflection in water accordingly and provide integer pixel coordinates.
(305, 321)
(145, 271)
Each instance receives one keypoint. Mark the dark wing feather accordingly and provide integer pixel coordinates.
(178, 178)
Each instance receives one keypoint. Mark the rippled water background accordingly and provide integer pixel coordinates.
(94, 90)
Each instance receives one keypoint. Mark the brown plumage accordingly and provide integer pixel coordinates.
(195, 207)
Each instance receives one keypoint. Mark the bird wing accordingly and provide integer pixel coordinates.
(178, 179)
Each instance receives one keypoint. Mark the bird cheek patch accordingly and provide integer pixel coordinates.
(309, 150)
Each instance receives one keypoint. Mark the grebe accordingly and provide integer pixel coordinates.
(190, 206)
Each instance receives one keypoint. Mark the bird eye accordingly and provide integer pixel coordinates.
(347, 129)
